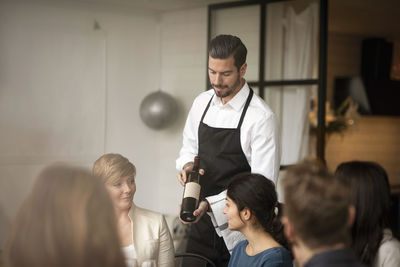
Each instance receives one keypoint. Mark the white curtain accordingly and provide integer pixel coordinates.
(291, 54)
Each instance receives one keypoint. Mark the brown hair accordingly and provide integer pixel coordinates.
(317, 204)
(111, 167)
(66, 220)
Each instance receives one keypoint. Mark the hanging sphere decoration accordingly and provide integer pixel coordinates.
(158, 110)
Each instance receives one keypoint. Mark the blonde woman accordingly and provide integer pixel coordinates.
(58, 223)
(144, 234)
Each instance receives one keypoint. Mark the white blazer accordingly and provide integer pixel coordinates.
(151, 237)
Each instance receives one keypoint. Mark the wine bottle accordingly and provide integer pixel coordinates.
(191, 193)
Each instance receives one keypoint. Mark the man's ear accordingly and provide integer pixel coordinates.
(243, 69)
(351, 216)
(288, 229)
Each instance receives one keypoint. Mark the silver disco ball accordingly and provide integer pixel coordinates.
(158, 110)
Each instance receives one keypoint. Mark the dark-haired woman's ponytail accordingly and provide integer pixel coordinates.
(277, 227)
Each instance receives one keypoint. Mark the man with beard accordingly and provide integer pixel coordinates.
(232, 130)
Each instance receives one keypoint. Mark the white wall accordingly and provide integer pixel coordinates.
(113, 69)
(184, 59)
(69, 93)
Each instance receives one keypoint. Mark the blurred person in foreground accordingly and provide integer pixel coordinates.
(373, 241)
(318, 216)
(144, 234)
(66, 220)
(252, 208)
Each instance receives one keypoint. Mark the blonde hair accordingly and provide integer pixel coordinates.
(317, 204)
(66, 220)
(112, 167)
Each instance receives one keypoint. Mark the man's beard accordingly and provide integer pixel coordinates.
(231, 90)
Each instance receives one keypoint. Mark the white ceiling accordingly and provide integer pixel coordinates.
(157, 5)
(363, 17)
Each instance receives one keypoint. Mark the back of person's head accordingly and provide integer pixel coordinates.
(370, 192)
(111, 167)
(317, 205)
(223, 46)
(66, 220)
(257, 193)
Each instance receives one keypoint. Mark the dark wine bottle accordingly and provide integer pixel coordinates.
(191, 193)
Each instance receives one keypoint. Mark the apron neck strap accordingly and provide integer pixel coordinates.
(245, 108)
(205, 111)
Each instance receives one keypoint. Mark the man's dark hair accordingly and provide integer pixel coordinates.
(223, 46)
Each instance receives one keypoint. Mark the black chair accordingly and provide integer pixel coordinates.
(192, 260)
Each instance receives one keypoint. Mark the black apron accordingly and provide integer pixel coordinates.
(221, 157)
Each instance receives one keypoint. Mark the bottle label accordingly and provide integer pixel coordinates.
(192, 190)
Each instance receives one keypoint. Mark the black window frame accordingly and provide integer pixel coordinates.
(262, 83)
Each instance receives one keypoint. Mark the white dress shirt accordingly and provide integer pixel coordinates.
(130, 255)
(259, 135)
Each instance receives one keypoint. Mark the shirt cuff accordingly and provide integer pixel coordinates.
(182, 160)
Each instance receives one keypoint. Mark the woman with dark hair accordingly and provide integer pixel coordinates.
(252, 208)
(373, 242)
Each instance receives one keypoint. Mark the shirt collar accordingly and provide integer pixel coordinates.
(237, 101)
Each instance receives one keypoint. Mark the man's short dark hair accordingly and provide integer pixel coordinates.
(223, 46)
